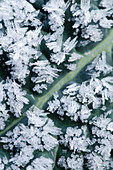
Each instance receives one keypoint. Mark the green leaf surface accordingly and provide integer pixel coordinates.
(89, 53)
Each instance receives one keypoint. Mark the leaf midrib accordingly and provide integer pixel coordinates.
(103, 46)
(88, 57)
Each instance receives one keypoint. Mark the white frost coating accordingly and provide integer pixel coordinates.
(16, 97)
(76, 139)
(70, 106)
(13, 166)
(107, 4)
(85, 113)
(60, 49)
(96, 162)
(71, 89)
(2, 94)
(13, 96)
(72, 61)
(92, 32)
(55, 104)
(38, 135)
(71, 66)
(85, 15)
(25, 155)
(45, 74)
(90, 138)
(37, 117)
(69, 44)
(62, 162)
(85, 5)
(104, 142)
(3, 162)
(54, 41)
(41, 163)
(58, 57)
(20, 43)
(56, 10)
(39, 88)
(74, 57)
(3, 116)
(32, 1)
(110, 126)
(108, 91)
(1, 165)
(56, 22)
(3, 111)
(95, 91)
(74, 162)
(66, 47)
(100, 65)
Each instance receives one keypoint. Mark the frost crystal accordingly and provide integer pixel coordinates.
(20, 42)
(40, 41)
(60, 50)
(92, 92)
(86, 94)
(76, 139)
(70, 106)
(32, 1)
(74, 162)
(101, 158)
(16, 97)
(62, 162)
(56, 10)
(95, 35)
(110, 126)
(12, 99)
(100, 66)
(39, 135)
(46, 74)
(107, 4)
(3, 116)
(3, 111)
(25, 155)
(55, 104)
(85, 5)
(84, 15)
(95, 162)
(41, 163)
(3, 162)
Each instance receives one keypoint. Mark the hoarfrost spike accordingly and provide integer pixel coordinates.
(85, 5)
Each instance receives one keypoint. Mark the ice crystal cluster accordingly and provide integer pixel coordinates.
(56, 84)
